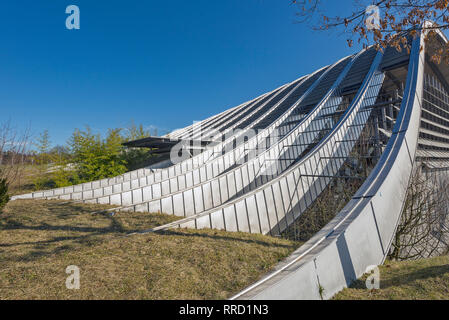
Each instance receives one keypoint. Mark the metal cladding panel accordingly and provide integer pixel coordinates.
(174, 185)
(87, 194)
(295, 286)
(196, 177)
(125, 186)
(209, 171)
(215, 168)
(294, 93)
(325, 85)
(183, 167)
(279, 205)
(207, 194)
(332, 266)
(117, 188)
(76, 196)
(156, 191)
(189, 224)
(230, 219)
(143, 207)
(181, 183)
(189, 165)
(146, 193)
(165, 187)
(217, 220)
(223, 189)
(167, 206)
(65, 197)
(154, 206)
(253, 215)
(251, 172)
(359, 70)
(203, 174)
(245, 175)
(203, 222)
(69, 189)
(137, 196)
(198, 197)
(231, 185)
(285, 196)
(103, 200)
(189, 205)
(171, 171)
(116, 198)
(215, 186)
(96, 184)
(126, 198)
(97, 193)
(178, 203)
(394, 58)
(364, 230)
(221, 167)
(238, 179)
(227, 161)
(242, 216)
(401, 172)
(263, 213)
(189, 179)
(271, 208)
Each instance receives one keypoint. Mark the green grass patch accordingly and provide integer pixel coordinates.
(426, 279)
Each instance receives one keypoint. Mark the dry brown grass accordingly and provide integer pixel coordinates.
(39, 239)
(426, 279)
(25, 181)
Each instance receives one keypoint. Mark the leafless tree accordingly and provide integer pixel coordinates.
(394, 21)
(13, 151)
(422, 231)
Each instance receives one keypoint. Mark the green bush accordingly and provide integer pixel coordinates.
(88, 157)
(94, 158)
(4, 197)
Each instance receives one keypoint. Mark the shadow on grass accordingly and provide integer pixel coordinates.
(421, 274)
(84, 229)
(46, 243)
(42, 248)
(406, 278)
(222, 237)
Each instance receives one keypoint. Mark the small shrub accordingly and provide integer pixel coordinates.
(4, 197)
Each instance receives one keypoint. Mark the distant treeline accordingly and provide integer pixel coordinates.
(87, 156)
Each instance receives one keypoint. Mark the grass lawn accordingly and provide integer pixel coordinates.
(411, 280)
(39, 239)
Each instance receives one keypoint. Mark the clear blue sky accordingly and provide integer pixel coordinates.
(159, 63)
